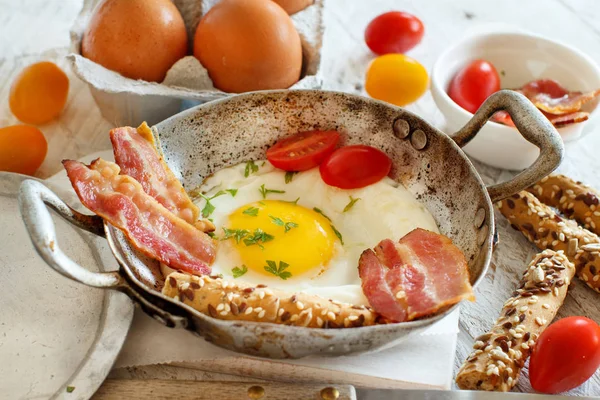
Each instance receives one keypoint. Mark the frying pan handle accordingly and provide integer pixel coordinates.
(532, 125)
(33, 198)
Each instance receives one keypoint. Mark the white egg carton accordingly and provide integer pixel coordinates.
(125, 101)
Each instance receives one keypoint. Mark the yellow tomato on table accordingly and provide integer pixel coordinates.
(22, 149)
(397, 79)
(39, 93)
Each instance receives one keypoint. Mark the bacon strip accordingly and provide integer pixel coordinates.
(135, 152)
(556, 120)
(151, 228)
(549, 96)
(416, 277)
(567, 119)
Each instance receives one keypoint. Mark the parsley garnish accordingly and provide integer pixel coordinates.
(70, 389)
(251, 211)
(318, 210)
(286, 225)
(351, 204)
(250, 168)
(258, 236)
(211, 234)
(237, 272)
(281, 272)
(289, 176)
(209, 207)
(338, 234)
(295, 202)
(238, 234)
(264, 191)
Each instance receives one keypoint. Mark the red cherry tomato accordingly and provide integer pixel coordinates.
(473, 84)
(394, 32)
(566, 354)
(302, 151)
(354, 167)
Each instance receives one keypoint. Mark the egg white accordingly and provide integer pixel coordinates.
(385, 210)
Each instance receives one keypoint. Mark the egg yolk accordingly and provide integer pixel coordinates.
(270, 232)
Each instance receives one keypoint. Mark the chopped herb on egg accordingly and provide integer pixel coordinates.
(286, 225)
(209, 207)
(318, 210)
(251, 168)
(232, 192)
(237, 234)
(264, 191)
(294, 202)
(289, 176)
(237, 272)
(351, 203)
(251, 211)
(70, 389)
(258, 236)
(338, 234)
(281, 272)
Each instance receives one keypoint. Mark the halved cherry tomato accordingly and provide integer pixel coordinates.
(353, 167)
(394, 32)
(566, 354)
(302, 151)
(473, 84)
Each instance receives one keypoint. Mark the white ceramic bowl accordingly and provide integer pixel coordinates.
(519, 58)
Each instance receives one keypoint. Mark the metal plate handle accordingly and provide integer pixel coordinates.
(532, 125)
(33, 197)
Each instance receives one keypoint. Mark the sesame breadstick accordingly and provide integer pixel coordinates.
(499, 355)
(228, 300)
(547, 230)
(573, 199)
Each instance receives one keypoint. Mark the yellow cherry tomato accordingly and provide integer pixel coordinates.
(39, 93)
(22, 149)
(397, 79)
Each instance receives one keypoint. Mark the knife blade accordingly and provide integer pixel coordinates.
(394, 394)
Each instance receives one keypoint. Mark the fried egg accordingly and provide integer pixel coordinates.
(292, 231)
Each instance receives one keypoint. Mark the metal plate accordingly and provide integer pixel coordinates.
(54, 332)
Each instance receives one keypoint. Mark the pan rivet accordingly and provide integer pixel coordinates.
(479, 218)
(401, 128)
(256, 392)
(330, 393)
(418, 139)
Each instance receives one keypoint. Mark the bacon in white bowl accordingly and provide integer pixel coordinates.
(150, 227)
(418, 276)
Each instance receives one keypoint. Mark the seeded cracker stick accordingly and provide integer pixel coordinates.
(573, 199)
(547, 230)
(499, 355)
(240, 301)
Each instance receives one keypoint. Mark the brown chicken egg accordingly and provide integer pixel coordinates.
(140, 39)
(248, 45)
(293, 6)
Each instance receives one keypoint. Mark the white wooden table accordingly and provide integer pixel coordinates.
(29, 28)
